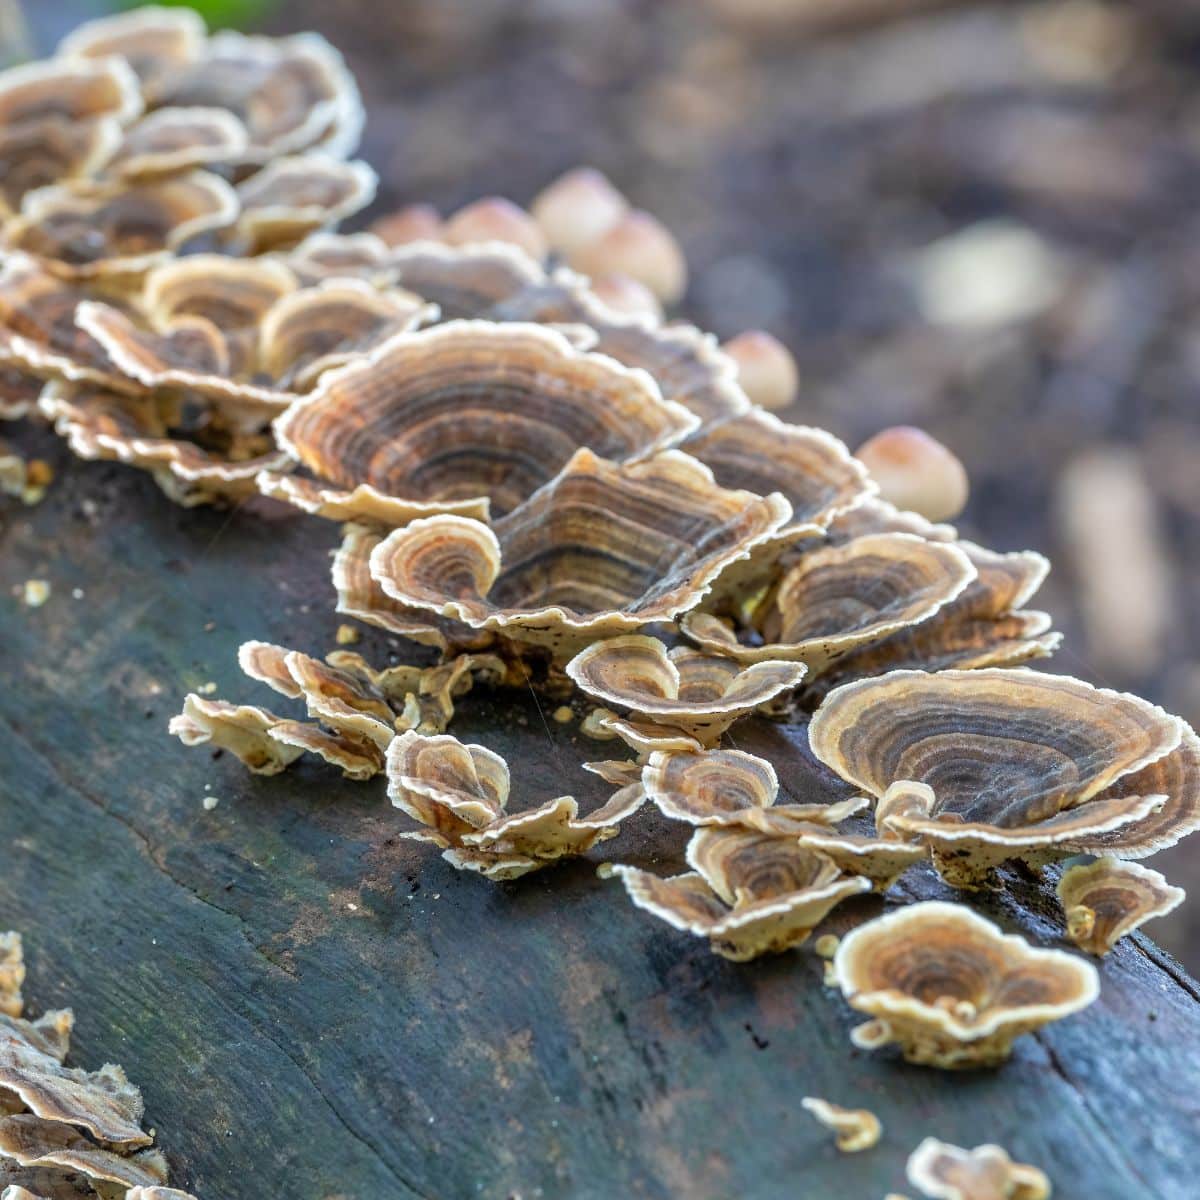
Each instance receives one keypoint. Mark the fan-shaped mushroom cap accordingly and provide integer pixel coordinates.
(766, 369)
(36, 154)
(603, 549)
(945, 1172)
(1107, 899)
(642, 737)
(472, 281)
(837, 598)
(91, 229)
(267, 743)
(361, 597)
(69, 89)
(452, 417)
(292, 93)
(103, 425)
(31, 1141)
(760, 453)
(103, 1102)
(178, 139)
(153, 40)
(856, 1128)
(698, 693)
(1175, 776)
(748, 894)
(325, 255)
(1018, 762)
(984, 626)
(38, 332)
(950, 988)
(294, 196)
(460, 792)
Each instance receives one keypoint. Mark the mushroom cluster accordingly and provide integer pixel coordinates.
(65, 1130)
(544, 481)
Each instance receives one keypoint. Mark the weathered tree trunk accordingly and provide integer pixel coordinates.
(315, 1009)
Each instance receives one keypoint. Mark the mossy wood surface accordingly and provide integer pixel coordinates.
(316, 1009)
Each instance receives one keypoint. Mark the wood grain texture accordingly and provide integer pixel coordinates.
(448, 1037)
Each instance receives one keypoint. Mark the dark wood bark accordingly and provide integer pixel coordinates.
(316, 1009)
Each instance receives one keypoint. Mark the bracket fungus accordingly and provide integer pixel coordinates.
(681, 688)
(857, 1129)
(473, 418)
(946, 1172)
(459, 793)
(834, 599)
(731, 787)
(1018, 764)
(950, 989)
(267, 743)
(1106, 899)
(602, 549)
(89, 230)
(748, 893)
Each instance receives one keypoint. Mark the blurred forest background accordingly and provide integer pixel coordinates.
(979, 218)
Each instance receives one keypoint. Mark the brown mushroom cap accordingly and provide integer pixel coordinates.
(292, 94)
(760, 453)
(471, 411)
(88, 229)
(1019, 763)
(69, 89)
(749, 894)
(103, 1102)
(459, 793)
(38, 331)
(837, 598)
(324, 255)
(37, 154)
(31, 1141)
(178, 139)
(950, 988)
(1107, 899)
(298, 195)
(152, 40)
(945, 1172)
(603, 549)
(267, 743)
(986, 625)
(709, 788)
(698, 693)
(1006, 746)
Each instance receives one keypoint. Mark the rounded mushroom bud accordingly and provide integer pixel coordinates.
(1019, 764)
(577, 208)
(495, 219)
(945, 1172)
(683, 688)
(412, 223)
(915, 471)
(950, 989)
(766, 368)
(627, 296)
(1107, 899)
(638, 245)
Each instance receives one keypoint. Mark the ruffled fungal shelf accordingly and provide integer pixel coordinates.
(1108, 899)
(950, 989)
(1016, 765)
